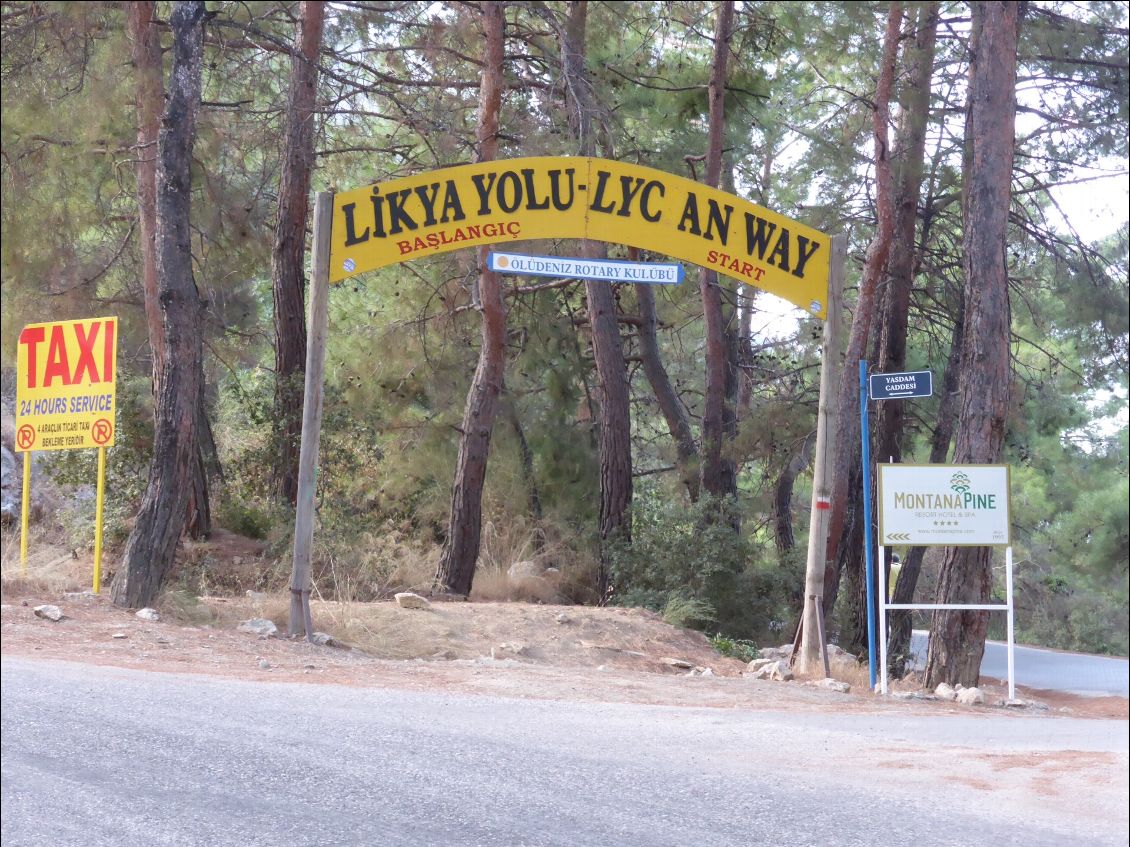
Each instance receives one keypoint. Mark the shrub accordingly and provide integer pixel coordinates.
(679, 556)
(245, 517)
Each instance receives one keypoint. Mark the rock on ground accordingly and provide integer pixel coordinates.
(147, 614)
(970, 697)
(519, 572)
(409, 600)
(51, 613)
(259, 626)
(777, 670)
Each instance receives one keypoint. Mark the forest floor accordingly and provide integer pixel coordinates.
(502, 648)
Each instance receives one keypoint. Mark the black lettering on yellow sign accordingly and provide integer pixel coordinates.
(573, 197)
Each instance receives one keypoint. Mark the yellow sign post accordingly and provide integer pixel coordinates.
(577, 197)
(65, 400)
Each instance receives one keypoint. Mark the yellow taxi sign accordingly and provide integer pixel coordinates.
(511, 200)
(65, 385)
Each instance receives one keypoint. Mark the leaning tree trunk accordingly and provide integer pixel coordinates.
(719, 471)
(288, 282)
(910, 147)
(783, 496)
(152, 543)
(456, 570)
(846, 451)
(889, 339)
(957, 638)
(670, 404)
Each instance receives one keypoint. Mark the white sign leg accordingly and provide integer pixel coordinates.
(883, 619)
(1011, 621)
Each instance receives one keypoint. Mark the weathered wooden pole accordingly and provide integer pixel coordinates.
(812, 658)
(318, 318)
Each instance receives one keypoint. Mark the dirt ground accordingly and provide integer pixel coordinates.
(507, 649)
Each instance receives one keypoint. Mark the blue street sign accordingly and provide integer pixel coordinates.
(901, 385)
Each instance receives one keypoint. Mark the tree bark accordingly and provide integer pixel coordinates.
(745, 354)
(148, 101)
(152, 544)
(900, 620)
(145, 44)
(456, 571)
(719, 471)
(910, 147)
(846, 444)
(957, 640)
(889, 340)
(288, 280)
(528, 474)
(670, 404)
(783, 496)
(615, 444)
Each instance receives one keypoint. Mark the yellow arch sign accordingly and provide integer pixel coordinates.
(575, 197)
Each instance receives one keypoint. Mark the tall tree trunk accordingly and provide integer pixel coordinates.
(148, 101)
(145, 41)
(670, 404)
(456, 570)
(910, 147)
(846, 444)
(957, 639)
(615, 444)
(719, 472)
(900, 620)
(889, 340)
(745, 354)
(288, 281)
(152, 544)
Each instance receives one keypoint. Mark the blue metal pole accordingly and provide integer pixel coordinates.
(865, 437)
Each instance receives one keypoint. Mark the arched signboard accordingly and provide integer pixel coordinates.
(575, 197)
(512, 200)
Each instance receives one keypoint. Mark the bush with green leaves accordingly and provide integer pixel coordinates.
(688, 563)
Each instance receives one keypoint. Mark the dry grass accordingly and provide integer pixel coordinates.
(858, 676)
(505, 543)
(375, 566)
(51, 568)
(379, 629)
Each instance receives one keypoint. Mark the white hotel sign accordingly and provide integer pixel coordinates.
(944, 505)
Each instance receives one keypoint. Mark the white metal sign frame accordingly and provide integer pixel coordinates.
(885, 605)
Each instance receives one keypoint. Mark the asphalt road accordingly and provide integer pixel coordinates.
(1051, 670)
(102, 756)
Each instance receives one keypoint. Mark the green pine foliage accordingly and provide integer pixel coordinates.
(398, 94)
